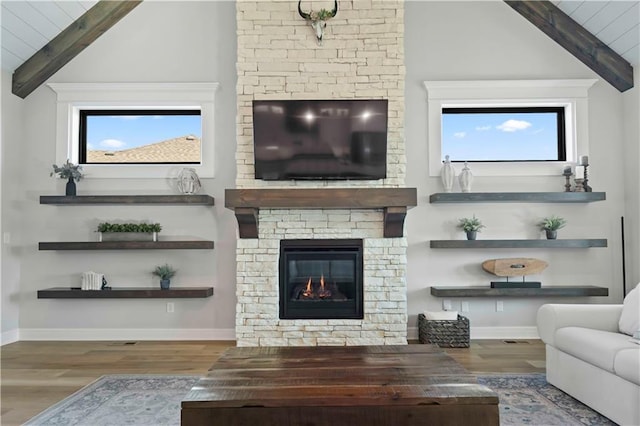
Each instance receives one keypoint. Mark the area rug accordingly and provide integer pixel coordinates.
(527, 399)
(117, 400)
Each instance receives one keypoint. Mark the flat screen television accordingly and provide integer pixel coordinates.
(320, 139)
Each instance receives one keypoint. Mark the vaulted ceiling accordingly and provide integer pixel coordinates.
(615, 23)
(65, 45)
(28, 26)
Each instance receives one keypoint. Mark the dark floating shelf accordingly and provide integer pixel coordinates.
(127, 245)
(194, 200)
(517, 197)
(125, 293)
(558, 291)
(561, 243)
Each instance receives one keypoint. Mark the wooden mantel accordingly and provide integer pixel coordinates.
(246, 203)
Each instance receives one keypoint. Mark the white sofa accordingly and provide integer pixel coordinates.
(588, 358)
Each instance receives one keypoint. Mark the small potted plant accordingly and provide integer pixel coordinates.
(471, 226)
(71, 172)
(551, 225)
(165, 272)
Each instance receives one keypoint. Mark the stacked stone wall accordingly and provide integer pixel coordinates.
(362, 57)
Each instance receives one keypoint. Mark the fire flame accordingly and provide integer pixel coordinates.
(308, 292)
(322, 293)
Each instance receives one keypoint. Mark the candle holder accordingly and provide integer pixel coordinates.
(586, 186)
(579, 185)
(567, 175)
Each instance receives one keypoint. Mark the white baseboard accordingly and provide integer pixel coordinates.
(9, 337)
(216, 334)
(126, 334)
(530, 332)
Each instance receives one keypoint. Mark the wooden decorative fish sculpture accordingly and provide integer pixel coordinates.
(514, 267)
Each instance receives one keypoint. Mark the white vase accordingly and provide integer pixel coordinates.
(466, 178)
(448, 174)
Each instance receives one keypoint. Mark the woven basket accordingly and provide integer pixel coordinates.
(444, 333)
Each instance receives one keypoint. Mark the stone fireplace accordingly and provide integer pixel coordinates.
(258, 321)
(361, 57)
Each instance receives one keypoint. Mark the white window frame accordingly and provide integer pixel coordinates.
(72, 97)
(570, 94)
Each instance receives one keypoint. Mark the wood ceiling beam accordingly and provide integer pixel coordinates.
(69, 43)
(577, 40)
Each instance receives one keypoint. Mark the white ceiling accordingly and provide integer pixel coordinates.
(28, 25)
(616, 23)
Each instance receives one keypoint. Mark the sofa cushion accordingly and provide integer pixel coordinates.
(629, 321)
(627, 364)
(596, 347)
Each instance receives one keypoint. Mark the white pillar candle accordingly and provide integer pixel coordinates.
(584, 160)
(579, 172)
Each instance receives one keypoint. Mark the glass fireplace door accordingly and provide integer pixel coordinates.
(321, 279)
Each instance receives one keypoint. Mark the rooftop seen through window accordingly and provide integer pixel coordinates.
(140, 136)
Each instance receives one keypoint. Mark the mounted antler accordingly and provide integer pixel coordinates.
(318, 19)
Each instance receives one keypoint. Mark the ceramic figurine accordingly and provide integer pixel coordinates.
(466, 178)
(447, 174)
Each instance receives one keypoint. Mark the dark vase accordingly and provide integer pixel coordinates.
(71, 187)
(164, 284)
(551, 235)
(471, 235)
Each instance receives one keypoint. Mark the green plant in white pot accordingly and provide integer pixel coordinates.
(165, 273)
(129, 231)
(551, 225)
(471, 226)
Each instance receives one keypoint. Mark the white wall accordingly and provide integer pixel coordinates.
(156, 42)
(488, 40)
(195, 41)
(11, 192)
(631, 155)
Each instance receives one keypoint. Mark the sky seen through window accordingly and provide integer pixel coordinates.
(500, 136)
(122, 132)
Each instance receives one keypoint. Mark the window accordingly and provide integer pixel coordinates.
(140, 136)
(493, 134)
(84, 110)
(458, 110)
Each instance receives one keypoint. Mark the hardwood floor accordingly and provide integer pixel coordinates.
(36, 375)
(498, 356)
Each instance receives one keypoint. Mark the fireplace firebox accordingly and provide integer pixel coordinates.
(321, 279)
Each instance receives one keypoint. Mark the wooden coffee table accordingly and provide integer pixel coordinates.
(334, 386)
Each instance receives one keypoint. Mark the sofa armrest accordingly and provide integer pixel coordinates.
(554, 316)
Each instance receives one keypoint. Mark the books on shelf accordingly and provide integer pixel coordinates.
(92, 281)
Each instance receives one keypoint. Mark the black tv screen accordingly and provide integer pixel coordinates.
(320, 139)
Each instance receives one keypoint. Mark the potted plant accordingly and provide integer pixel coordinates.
(551, 225)
(165, 272)
(471, 226)
(129, 231)
(71, 172)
